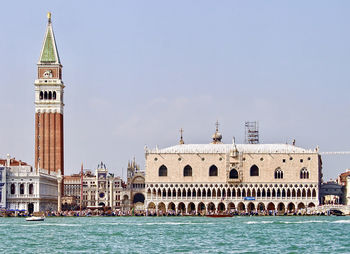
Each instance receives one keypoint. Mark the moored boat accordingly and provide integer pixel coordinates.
(218, 215)
(35, 218)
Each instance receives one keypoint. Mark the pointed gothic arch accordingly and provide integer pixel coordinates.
(169, 193)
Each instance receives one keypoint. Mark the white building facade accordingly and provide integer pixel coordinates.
(217, 177)
(29, 190)
(2, 187)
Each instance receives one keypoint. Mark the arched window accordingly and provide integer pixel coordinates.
(304, 173)
(21, 189)
(54, 95)
(233, 174)
(31, 189)
(41, 95)
(188, 170)
(45, 95)
(13, 189)
(163, 171)
(50, 95)
(213, 171)
(254, 170)
(278, 173)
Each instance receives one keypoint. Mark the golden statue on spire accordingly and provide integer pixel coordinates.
(49, 17)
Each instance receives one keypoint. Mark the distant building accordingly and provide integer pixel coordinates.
(133, 195)
(332, 192)
(341, 187)
(347, 191)
(3, 187)
(342, 178)
(27, 189)
(100, 190)
(217, 177)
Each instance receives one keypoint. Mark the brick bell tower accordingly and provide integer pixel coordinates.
(49, 106)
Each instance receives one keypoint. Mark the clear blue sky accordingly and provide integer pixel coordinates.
(138, 71)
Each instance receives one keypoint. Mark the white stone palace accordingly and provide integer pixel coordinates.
(219, 177)
(27, 189)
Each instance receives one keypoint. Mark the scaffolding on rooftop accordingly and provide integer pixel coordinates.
(252, 132)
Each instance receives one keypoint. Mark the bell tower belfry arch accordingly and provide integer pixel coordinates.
(49, 106)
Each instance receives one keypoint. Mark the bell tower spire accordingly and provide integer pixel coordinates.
(49, 52)
(49, 105)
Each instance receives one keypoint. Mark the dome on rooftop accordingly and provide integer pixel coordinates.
(217, 135)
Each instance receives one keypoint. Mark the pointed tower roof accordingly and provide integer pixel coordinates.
(49, 53)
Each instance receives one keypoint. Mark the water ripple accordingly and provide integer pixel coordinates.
(176, 235)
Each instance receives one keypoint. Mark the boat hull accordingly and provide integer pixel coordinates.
(35, 219)
(219, 215)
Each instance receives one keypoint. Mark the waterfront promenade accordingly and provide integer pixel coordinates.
(305, 234)
(317, 211)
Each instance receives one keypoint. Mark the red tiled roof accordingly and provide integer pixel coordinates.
(13, 162)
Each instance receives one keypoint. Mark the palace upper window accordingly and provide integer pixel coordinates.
(254, 170)
(163, 171)
(278, 173)
(188, 170)
(213, 171)
(304, 173)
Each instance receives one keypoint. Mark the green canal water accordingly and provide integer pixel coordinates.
(176, 234)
